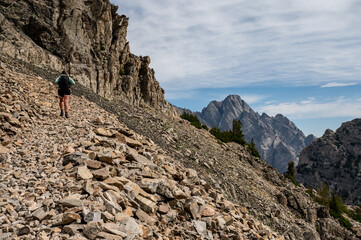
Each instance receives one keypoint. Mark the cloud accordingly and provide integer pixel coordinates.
(237, 43)
(335, 84)
(312, 109)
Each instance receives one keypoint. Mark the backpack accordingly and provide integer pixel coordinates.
(64, 82)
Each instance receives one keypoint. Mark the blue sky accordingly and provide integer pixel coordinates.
(298, 58)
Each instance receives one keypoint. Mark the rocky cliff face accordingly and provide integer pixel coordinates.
(277, 139)
(87, 39)
(335, 159)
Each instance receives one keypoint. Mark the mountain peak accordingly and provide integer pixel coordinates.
(277, 139)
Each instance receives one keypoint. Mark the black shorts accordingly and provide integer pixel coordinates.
(62, 92)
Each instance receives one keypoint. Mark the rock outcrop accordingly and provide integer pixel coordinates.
(87, 39)
(277, 139)
(335, 159)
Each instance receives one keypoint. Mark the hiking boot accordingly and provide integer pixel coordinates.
(66, 115)
(61, 113)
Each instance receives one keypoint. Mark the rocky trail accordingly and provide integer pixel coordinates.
(91, 177)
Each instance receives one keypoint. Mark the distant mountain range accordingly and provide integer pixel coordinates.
(335, 159)
(277, 139)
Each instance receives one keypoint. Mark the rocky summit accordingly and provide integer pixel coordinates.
(87, 39)
(277, 139)
(335, 159)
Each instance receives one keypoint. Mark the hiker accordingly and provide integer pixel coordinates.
(64, 82)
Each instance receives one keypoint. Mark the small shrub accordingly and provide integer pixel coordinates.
(253, 149)
(205, 127)
(192, 119)
(356, 214)
(290, 174)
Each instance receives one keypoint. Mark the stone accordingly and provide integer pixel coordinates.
(9, 118)
(105, 155)
(130, 227)
(95, 216)
(72, 201)
(103, 132)
(102, 173)
(133, 155)
(201, 228)
(93, 164)
(24, 230)
(145, 204)
(69, 150)
(84, 173)
(75, 158)
(115, 182)
(144, 217)
(4, 150)
(108, 236)
(39, 214)
(132, 143)
(208, 211)
(163, 209)
(73, 229)
(114, 229)
(91, 230)
(149, 184)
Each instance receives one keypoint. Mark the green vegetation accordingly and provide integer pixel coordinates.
(335, 205)
(253, 149)
(193, 120)
(336, 210)
(356, 214)
(290, 174)
(236, 135)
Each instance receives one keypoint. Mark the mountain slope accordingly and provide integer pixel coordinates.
(226, 172)
(335, 159)
(277, 139)
(90, 177)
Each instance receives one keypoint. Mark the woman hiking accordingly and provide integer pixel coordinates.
(64, 83)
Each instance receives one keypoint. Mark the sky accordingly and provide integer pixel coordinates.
(298, 58)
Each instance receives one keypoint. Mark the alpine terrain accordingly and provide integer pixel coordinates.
(277, 139)
(335, 159)
(124, 165)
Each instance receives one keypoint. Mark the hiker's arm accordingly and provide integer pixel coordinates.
(72, 82)
(57, 80)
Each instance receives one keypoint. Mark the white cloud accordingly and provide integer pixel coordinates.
(234, 43)
(311, 109)
(335, 84)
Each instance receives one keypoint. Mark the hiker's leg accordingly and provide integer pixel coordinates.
(61, 103)
(66, 102)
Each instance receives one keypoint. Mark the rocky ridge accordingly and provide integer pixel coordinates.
(335, 159)
(277, 139)
(87, 39)
(91, 177)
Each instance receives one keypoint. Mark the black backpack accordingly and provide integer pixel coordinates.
(64, 82)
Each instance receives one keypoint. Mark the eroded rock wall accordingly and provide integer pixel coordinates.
(87, 39)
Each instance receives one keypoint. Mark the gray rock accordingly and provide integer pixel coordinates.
(277, 139)
(130, 227)
(95, 216)
(334, 159)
